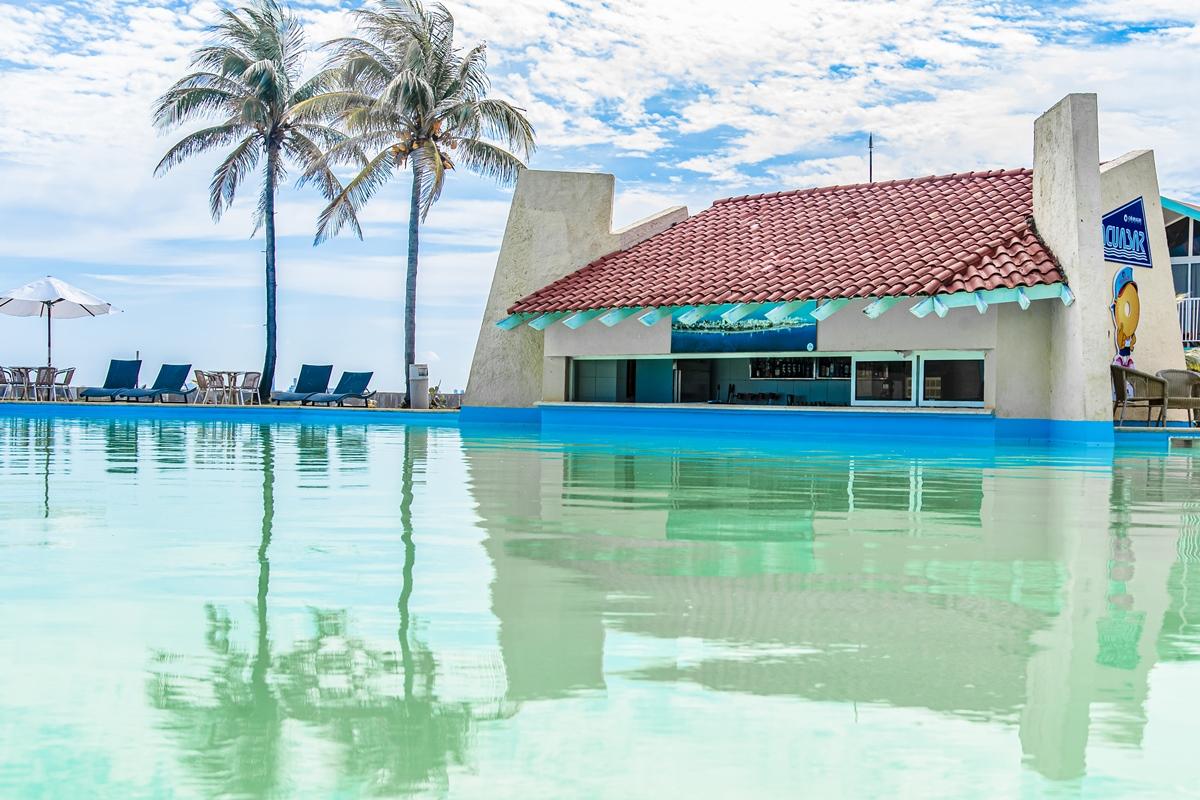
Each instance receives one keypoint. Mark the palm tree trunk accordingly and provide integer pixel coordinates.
(410, 283)
(268, 376)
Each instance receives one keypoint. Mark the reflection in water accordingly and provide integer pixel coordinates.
(1025, 616)
(933, 583)
(230, 723)
(121, 446)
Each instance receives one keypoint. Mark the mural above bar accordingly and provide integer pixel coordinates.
(744, 336)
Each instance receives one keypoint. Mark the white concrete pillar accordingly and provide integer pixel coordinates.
(1067, 210)
(558, 223)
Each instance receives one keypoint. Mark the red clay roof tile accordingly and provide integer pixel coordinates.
(916, 236)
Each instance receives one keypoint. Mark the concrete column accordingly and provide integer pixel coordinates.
(1066, 210)
(1159, 343)
(558, 223)
(555, 372)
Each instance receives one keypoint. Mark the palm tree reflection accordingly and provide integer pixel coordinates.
(394, 735)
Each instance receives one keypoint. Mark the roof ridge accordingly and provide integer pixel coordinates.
(995, 173)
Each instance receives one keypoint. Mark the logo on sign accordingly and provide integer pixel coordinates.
(1125, 239)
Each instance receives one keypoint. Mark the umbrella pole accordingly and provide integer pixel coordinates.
(49, 317)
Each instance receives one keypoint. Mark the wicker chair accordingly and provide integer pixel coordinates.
(1183, 390)
(1139, 389)
(20, 383)
(247, 392)
(62, 383)
(202, 387)
(43, 383)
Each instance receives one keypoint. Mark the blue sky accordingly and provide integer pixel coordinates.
(685, 101)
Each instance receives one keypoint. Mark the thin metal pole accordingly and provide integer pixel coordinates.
(49, 316)
(870, 158)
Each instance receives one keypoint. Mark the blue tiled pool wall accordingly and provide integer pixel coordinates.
(765, 422)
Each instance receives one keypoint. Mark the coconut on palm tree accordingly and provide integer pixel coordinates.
(410, 100)
(248, 84)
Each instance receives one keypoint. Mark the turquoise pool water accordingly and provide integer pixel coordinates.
(234, 609)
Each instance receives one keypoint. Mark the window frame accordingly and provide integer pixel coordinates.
(890, 355)
(951, 355)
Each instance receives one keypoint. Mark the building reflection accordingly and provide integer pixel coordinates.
(235, 719)
(990, 589)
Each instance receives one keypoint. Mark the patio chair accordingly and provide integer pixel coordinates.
(43, 383)
(122, 376)
(1139, 389)
(19, 384)
(6, 384)
(171, 380)
(62, 383)
(313, 380)
(1183, 390)
(203, 389)
(351, 385)
(247, 391)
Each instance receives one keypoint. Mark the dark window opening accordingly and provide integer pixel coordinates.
(953, 381)
(883, 381)
(1177, 237)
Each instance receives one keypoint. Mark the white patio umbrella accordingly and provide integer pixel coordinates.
(52, 299)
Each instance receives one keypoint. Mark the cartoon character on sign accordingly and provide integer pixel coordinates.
(1126, 311)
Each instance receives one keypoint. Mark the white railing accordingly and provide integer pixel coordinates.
(1189, 319)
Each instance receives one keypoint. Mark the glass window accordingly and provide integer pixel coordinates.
(1195, 288)
(1195, 238)
(1177, 237)
(1180, 273)
(883, 381)
(953, 381)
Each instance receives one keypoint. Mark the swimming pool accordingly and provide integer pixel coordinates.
(278, 606)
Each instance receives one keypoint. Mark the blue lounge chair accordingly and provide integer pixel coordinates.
(171, 380)
(313, 380)
(351, 385)
(122, 376)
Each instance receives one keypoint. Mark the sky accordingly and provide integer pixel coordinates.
(685, 101)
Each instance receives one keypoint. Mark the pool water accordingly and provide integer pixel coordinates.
(237, 609)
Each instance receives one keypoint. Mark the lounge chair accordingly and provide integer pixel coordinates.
(351, 385)
(122, 376)
(171, 380)
(313, 380)
(1183, 390)
(1133, 388)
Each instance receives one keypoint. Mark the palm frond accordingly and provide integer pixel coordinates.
(489, 160)
(182, 104)
(429, 170)
(344, 207)
(305, 151)
(200, 141)
(502, 121)
(229, 174)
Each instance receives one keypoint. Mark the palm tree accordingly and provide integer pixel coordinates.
(247, 82)
(410, 97)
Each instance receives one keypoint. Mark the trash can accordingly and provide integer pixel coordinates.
(418, 386)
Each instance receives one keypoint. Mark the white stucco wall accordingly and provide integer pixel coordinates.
(558, 222)
(1066, 211)
(1020, 373)
(897, 329)
(1159, 341)
(627, 338)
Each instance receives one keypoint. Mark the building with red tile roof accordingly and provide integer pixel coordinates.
(1004, 295)
(920, 236)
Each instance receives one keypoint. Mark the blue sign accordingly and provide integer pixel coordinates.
(1125, 239)
(798, 336)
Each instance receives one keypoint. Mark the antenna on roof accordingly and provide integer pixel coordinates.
(870, 158)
